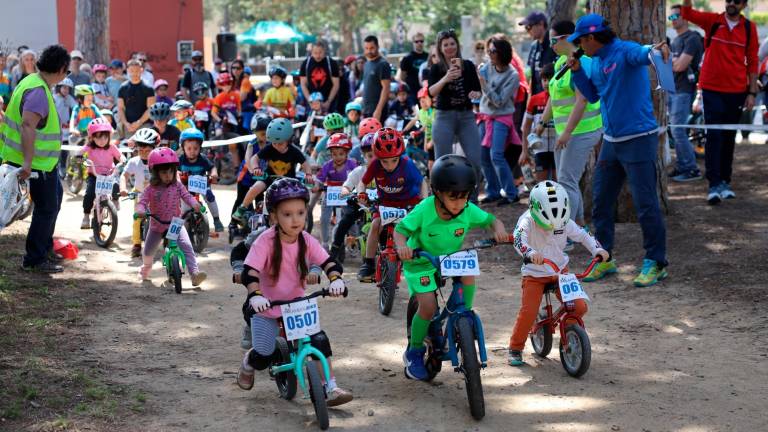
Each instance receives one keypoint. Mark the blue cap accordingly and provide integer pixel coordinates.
(115, 64)
(588, 24)
(534, 18)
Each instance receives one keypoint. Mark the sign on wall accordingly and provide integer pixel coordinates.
(184, 50)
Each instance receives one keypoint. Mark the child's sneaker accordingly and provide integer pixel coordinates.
(198, 278)
(414, 363)
(245, 342)
(367, 271)
(239, 214)
(726, 192)
(144, 273)
(136, 251)
(245, 378)
(601, 270)
(86, 223)
(714, 196)
(338, 396)
(515, 358)
(217, 225)
(650, 274)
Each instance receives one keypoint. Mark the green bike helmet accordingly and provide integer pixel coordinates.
(83, 90)
(333, 121)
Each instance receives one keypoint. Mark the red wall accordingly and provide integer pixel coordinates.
(151, 26)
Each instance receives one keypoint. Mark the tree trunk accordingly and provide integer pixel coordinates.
(641, 21)
(559, 10)
(349, 12)
(92, 30)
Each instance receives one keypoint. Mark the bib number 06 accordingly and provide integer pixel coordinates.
(174, 229)
(570, 288)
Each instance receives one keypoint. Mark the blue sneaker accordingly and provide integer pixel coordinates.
(414, 363)
(726, 192)
(687, 176)
(714, 197)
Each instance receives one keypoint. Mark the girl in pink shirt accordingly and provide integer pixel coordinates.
(276, 268)
(163, 199)
(102, 155)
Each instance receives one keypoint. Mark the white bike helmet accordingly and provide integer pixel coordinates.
(549, 205)
(146, 136)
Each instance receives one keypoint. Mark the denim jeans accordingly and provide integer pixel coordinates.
(498, 173)
(46, 192)
(450, 124)
(679, 111)
(635, 161)
(720, 108)
(570, 163)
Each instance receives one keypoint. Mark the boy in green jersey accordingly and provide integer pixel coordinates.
(438, 225)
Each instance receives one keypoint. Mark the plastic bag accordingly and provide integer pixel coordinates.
(11, 197)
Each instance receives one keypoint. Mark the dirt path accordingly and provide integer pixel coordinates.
(682, 356)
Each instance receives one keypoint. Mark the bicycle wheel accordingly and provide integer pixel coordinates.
(175, 273)
(104, 232)
(575, 351)
(387, 286)
(285, 381)
(317, 394)
(471, 367)
(541, 340)
(74, 182)
(197, 227)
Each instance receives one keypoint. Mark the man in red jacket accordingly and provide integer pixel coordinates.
(729, 84)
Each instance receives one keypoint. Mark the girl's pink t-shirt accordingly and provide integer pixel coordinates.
(103, 158)
(288, 284)
(164, 202)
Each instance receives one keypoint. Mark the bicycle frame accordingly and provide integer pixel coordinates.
(299, 359)
(172, 249)
(103, 198)
(388, 253)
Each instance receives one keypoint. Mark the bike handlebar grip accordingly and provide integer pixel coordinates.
(346, 292)
(202, 208)
(527, 260)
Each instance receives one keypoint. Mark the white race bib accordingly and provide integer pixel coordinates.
(463, 263)
(104, 185)
(174, 229)
(301, 319)
(570, 288)
(320, 132)
(197, 184)
(391, 214)
(201, 116)
(333, 197)
(373, 194)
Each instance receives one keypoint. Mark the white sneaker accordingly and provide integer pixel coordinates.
(338, 396)
(86, 223)
(522, 190)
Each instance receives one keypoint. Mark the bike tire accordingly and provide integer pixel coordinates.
(387, 286)
(317, 394)
(74, 184)
(26, 209)
(144, 228)
(108, 219)
(198, 230)
(175, 273)
(471, 367)
(286, 381)
(541, 340)
(575, 351)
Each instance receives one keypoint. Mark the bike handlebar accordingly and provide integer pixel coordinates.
(319, 293)
(557, 269)
(478, 244)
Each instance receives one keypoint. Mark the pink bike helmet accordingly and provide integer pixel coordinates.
(160, 83)
(100, 68)
(162, 156)
(99, 125)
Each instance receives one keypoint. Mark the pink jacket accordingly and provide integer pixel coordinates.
(164, 202)
(507, 119)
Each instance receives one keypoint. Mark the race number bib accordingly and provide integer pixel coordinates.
(197, 184)
(201, 116)
(463, 263)
(373, 194)
(301, 319)
(333, 197)
(391, 214)
(570, 288)
(319, 132)
(174, 229)
(400, 124)
(104, 185)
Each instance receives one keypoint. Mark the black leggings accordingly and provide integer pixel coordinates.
(90, 193)
(349, 216)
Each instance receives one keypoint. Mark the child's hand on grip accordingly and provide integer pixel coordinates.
(536, 258)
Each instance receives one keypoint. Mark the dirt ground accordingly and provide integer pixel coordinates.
(685, 355)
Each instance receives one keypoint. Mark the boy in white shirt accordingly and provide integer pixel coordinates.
(137, 171)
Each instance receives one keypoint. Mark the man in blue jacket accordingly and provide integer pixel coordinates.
(618, 78)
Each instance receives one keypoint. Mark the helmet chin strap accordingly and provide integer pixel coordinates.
(445, 208)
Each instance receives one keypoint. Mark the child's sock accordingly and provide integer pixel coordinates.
(419, 328)
(469, 295)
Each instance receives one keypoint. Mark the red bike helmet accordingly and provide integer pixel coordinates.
(423, 92)
(65, 248)
(340, 140)
(223, 79)
(388, 143)
(368, 125)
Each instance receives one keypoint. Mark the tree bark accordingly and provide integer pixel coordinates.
(349, 12)
(92, 30)
(642, 21)
(559, 10)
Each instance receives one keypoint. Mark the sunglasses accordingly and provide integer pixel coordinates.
(419, 41)
(492, 51)
(736, 2)
(447, 33)
(674, 17)
(556, 39)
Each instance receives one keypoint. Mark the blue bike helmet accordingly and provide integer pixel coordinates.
(279, 130)
(353, 106)
(191, 134)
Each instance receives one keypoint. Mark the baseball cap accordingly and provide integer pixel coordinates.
(534, 18)
(588, 24)
(76, 54)
(197, 53)
(116, 64)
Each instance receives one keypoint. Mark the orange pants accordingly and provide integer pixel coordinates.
(533, 290)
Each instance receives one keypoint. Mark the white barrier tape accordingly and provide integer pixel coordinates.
(244, 138)
(731, 127)
(74, 148)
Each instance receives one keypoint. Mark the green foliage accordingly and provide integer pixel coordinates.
(759, 18)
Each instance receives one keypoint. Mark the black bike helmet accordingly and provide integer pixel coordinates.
(259, 122)
(160, 111)
(453, 173)
(279, 71)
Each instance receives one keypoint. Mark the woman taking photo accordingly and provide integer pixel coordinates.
(454, 83)
(500, 83)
